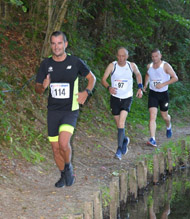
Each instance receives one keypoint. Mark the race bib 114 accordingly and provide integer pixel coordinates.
(60, 90)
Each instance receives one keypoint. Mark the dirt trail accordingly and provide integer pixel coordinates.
(27, 191)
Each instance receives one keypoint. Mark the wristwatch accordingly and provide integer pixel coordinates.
(89, 92)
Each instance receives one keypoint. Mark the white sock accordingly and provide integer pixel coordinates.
(169, 126)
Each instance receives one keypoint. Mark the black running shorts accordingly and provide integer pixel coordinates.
(117, 105)
(61, 121)
(156, 99)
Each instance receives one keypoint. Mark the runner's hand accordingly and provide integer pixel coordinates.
(82, 96)
(144, 89)
(159, 85)
(139, 93)
(113, 90)
(46, 81)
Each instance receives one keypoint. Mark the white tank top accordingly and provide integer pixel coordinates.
(122, 79)
(156, 76)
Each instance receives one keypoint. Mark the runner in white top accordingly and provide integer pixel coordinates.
(121, 90)
(122, 80)
(159, 75)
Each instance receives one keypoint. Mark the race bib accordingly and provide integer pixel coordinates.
(155, 82)
(60, 90)
(120, 84)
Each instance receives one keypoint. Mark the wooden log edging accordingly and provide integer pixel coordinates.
(141, 177)
(156, 170)
(98, 213)
(162, 166)
(123, 188)
(130, 184)
(170, 161)
(114, 195)
(88, 210)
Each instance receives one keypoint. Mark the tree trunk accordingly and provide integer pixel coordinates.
(56, 16)
(4, 10)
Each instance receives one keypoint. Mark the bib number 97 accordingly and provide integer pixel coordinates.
(120, 85)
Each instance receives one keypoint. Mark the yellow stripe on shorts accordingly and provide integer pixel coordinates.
(66, 128)
(53, 139)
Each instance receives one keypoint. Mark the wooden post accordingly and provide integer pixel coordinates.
(188, 149)
(141, 177)
(156, 169)
(132, 184)
(114, 195)
(88, 210)
(145, 173)
(98, 205)
(170, 162)
(123, 188)
(162, 166)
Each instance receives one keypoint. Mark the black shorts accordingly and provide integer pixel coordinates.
(156, 99)
(117, 104)
(56, 119)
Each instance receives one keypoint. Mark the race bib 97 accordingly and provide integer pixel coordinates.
(60, 90)
(120, 84)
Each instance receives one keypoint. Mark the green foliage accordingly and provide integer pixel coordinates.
(29, 154)
(17, 120)
(19, 3)
(106, 198)
(98, 146)
(179, 97)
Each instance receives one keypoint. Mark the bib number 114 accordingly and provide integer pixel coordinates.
(60, 90)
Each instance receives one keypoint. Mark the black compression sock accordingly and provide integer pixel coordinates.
(120, 136)
(67, 166)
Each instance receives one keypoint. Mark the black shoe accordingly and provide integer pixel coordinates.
(61, 182)
(69, 178)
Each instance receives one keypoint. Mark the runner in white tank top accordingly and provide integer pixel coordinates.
(159, 75)
(122, 80)
(121, 91)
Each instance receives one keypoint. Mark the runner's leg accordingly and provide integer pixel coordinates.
(59, 159)
(65, 147)
(65, 150)
(120, 122)
(152, 122)
(166, 117)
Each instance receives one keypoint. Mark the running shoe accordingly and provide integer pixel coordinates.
(169, 133)
(69, 177)
(118, 154)
(124, 149)
(152, 142)
(61, 182)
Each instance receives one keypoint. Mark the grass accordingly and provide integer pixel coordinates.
(19, 134)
